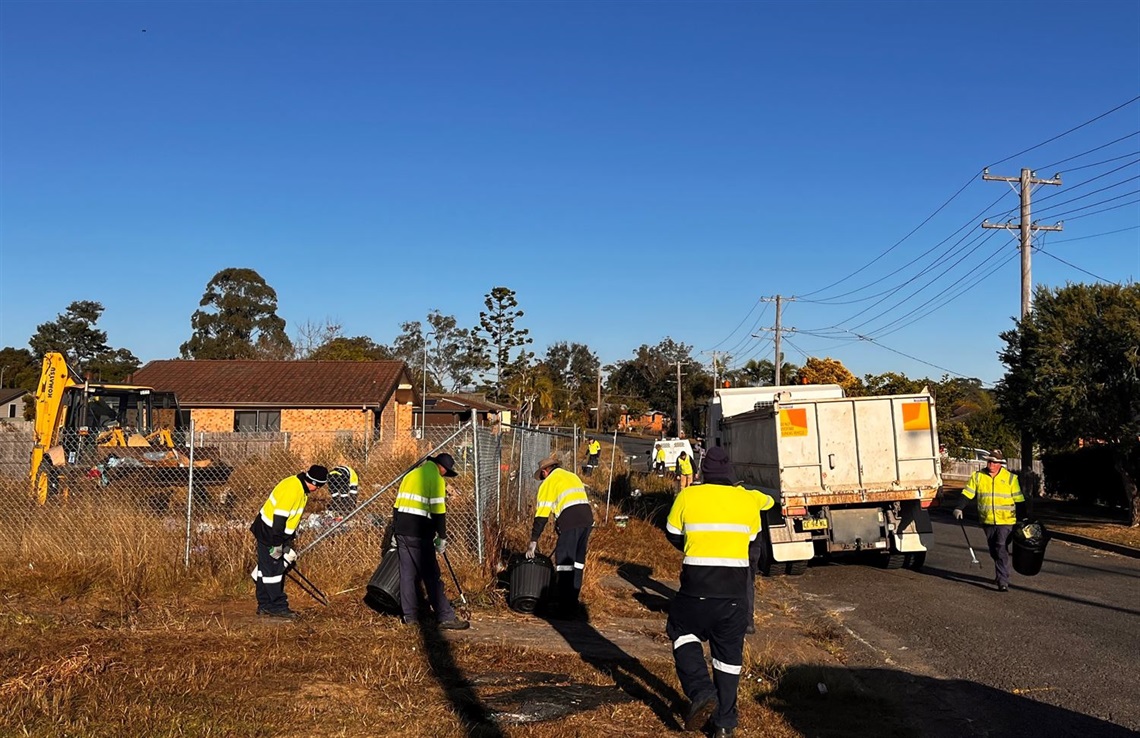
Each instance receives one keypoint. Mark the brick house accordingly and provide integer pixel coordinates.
(651, 421)
(372, 399)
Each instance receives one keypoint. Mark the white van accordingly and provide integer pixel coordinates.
(673, 448)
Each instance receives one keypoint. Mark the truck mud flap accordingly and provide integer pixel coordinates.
(912, 523)
(797, 551)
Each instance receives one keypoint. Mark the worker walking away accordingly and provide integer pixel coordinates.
(1000, 505)
(563, 495)
(716, 469)
(659, 459)
(594, 449)
(712, 523)
(344, 485)
(684, 469)
(420, 515)
(275, 529)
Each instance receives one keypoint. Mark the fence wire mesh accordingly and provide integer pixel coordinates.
(205, 492)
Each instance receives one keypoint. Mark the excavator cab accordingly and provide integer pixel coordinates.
(74, 420)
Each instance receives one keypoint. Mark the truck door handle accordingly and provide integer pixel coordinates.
(831, 460)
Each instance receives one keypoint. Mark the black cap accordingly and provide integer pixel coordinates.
(447, 463)
(317, 475)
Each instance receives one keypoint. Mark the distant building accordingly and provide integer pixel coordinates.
(12, 403)
(651, 421)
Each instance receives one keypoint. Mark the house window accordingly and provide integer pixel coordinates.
(253, 421)
(12, 410)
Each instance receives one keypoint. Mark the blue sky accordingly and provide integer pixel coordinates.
(632, 170)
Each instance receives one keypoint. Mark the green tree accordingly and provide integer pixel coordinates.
(453, 354)
(498, 332)
(648, 381)
(1074, 374)
(892, 383)
(759, 373)
(239, 320)
(358, 348)
(573, 369)
(73, 334)
(19, 368)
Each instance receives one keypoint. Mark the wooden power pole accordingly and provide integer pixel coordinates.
(778, 330)
(1024, 185)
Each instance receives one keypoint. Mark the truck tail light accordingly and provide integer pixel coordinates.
(795, 511)
(926, 503)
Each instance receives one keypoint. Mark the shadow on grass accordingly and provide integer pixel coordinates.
(629, 674)
(896, 704)
(477, 720)
(651, 594)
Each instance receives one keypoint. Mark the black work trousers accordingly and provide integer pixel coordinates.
(721, 622)
(569, 565)
(997, 536)
(269, 581)
(418, 564)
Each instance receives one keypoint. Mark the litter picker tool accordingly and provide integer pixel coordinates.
(306, 586)
(462, 597)
(973, 559)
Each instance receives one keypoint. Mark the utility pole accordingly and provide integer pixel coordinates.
(778, 329)
(679, 431)
(598, 421)
(1024, 185)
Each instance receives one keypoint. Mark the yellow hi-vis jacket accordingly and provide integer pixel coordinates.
(594, 448)
(685, 466)
(343, 482)
(563, 495)
(713, 524)
(660, 454)
(421, 503)
(997, 496)
(281, 513)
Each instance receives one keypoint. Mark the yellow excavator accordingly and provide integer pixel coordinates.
(76, 420)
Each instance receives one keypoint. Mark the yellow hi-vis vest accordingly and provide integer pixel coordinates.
(561, 489)
(717, 521)
(997, 496)
(343, 482)
(287, 500)
(422, 492)
(660, 454)
(594, 448)
(685, 465)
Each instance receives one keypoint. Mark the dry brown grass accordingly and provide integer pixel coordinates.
(1112, 532)
(111, 636)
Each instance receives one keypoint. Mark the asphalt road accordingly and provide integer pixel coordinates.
(1055, 656)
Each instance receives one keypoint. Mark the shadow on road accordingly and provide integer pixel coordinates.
(886, 702)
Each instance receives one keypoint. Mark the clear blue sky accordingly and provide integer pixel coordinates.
(633, 170)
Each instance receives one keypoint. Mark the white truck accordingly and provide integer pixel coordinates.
(849, 474)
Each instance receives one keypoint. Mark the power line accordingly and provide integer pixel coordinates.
(1086, 153)
(734, 330)
(1093, 205)
(1096, 235)
(1074, 266)
(1066, 133)
(1104, 210)
(1070, 170)
(1070, 188)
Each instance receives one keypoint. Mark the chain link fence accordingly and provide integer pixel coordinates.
(197, 500)
(190, 507)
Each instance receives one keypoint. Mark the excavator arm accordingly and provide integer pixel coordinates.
(55, 379)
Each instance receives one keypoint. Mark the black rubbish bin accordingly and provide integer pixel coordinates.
(1028, 540)
(529, 582)
(384, 586)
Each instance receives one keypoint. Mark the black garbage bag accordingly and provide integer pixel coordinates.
(1028, 540)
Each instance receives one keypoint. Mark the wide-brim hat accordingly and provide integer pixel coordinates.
(548, 463)
(995, 456)
(447, 462)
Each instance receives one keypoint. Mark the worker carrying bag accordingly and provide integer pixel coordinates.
(1028, 540)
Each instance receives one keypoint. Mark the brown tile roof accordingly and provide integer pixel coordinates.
(8, 394)
(293, 384)
(459, 402)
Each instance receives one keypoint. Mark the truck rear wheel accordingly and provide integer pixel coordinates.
(892, 560)
(915, 560)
